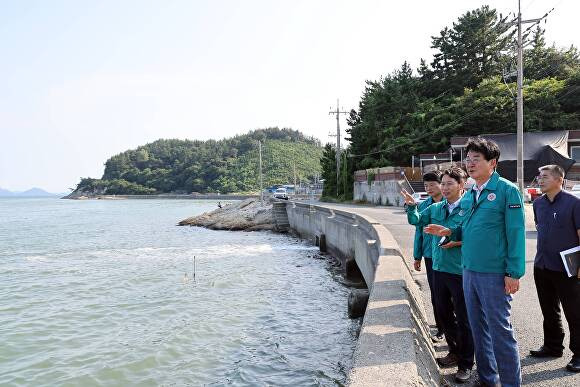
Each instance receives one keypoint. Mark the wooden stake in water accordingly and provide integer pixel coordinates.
(194, 268)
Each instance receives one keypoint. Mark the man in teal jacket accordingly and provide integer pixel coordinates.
(447, 272)
(493, 253)
(422, 245)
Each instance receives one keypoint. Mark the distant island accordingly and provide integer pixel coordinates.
(31, 193)
(225, 166)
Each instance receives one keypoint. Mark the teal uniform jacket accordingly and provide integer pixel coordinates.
(446, 260)
(494, 229)
(422, 243)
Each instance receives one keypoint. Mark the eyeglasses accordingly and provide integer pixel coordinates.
(471, 161)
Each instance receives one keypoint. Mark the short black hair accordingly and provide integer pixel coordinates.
(432, 176)
(455, 173)
(488, 148)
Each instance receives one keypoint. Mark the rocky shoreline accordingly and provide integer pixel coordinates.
(246, 215)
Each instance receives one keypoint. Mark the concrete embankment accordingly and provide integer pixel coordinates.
(394, 348)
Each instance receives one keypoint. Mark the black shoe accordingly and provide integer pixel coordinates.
(545, 352)
(437, 337)
(462, 376)
(479, 383)
(574, 365)
(449, 360)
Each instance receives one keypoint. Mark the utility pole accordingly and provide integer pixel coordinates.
(295, 188)
(520, 98)
(261, 183)
(344, 177)
(338, 113)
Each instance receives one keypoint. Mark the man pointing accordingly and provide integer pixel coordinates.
(493, 253)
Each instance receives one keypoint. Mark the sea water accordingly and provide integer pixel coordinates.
(113, 293)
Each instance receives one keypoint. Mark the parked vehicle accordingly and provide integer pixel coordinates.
(420, 197)
(280, 193)
(534, 193)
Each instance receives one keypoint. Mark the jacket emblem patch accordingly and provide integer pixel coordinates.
(491, 197)
(515, 206)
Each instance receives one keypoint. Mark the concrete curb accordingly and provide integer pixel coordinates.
(394, 346)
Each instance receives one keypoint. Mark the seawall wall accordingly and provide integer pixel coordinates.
(384, 192)
(394, 347)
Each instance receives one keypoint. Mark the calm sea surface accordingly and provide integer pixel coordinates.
(102, 293)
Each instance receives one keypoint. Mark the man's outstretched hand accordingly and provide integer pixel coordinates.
(436, 229)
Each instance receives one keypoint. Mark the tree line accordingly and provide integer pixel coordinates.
(468, 88)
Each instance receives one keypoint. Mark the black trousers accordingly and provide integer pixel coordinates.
(555, 288)
(429, 268)
(453, 314)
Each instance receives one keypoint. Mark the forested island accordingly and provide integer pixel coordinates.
(224, 166)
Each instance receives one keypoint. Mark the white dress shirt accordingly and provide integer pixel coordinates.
(451, 206)
(479, 189)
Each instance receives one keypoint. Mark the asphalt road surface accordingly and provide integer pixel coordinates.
(526, 314)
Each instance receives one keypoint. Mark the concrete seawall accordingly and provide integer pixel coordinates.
(394, 348)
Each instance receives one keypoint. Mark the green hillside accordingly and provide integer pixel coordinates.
(225, 166)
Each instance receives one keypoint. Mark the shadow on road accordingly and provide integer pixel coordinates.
(559, 374)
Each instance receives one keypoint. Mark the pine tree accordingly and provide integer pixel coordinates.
(328, 164)
(471, 50)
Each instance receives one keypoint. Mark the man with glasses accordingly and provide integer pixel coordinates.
(557, 217)
(493, 254)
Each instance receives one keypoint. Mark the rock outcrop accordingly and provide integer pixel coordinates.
(247, 215)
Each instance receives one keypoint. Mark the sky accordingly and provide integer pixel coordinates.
(81, 81)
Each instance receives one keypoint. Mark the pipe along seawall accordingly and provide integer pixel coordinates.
(394, 346)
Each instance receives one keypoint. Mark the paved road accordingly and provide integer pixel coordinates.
(526, 314)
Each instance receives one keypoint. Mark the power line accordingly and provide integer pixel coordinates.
(571, 90)
(430, 133)
(537, 22)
